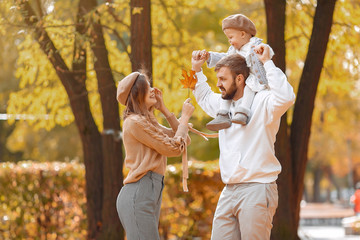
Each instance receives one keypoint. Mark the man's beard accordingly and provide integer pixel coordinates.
(230, 93)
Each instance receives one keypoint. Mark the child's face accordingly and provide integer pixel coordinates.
(237, 38)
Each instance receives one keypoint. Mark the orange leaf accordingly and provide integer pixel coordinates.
(189, 81)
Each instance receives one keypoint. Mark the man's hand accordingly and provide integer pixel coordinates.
(198, 59)
(263, 52)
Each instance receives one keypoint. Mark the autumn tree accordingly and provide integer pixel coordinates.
(81, 51)
(292, 148)
(141, 39)
(102, 152)
(8, 83)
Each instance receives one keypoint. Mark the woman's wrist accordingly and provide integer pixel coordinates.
(166, 112)
(184, 120)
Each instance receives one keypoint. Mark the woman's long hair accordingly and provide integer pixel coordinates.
(136, 100)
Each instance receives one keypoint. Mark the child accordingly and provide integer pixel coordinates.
(241, 32)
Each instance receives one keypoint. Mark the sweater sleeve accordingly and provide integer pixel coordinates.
(174, 123)
(151, 136)
(282, 94)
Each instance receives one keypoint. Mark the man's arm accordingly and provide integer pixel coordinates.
(282, 94)
(205, 97)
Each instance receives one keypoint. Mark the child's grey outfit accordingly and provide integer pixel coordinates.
(254, 83)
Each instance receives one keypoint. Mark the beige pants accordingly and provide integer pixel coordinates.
(245, 212)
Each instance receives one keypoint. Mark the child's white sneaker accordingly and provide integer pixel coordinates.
(221, 121)
(241, 116)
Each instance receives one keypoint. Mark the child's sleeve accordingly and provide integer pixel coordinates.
(215, 56)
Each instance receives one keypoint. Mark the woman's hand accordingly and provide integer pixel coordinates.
(160, 105)
(187, 111)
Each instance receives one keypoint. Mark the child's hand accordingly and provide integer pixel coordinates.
(263, 52)
(205, 55)
(198, 59)
(201, 54)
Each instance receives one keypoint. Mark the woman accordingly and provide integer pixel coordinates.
(147, 144)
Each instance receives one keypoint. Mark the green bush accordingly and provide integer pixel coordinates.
(47, 201)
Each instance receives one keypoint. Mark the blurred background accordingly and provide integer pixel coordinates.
(61, 150)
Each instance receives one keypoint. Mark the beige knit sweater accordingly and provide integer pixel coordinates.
(147, 146)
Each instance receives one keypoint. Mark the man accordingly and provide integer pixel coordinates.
(247, 160)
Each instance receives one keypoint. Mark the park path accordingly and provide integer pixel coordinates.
(322, 221)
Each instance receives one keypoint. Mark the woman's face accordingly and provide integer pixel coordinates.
(150, 99)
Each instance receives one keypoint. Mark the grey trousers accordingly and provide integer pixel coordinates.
(245, 212)
(138, 205)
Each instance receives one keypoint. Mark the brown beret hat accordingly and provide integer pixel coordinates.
(124, 87)
(240, 22)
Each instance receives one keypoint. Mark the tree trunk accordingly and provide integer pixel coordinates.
(332, 179)
(141, 40)
(284, 217)
(93, 143)
(294, 157)
(304, 105)
(112, 144)
(316, 187)
(93, 168)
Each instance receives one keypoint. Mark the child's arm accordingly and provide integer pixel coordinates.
(214, 57)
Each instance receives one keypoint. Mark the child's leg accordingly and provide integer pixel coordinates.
(248, 98)
(242, 111)
(225, 105)
(222, 119)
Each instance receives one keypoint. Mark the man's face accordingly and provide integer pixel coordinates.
(226, 83)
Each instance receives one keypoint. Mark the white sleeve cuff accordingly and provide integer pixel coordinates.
(201, 77)
(269, 64)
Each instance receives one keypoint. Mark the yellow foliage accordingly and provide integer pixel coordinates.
(178, 28)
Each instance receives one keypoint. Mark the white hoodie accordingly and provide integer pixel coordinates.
(247, 152)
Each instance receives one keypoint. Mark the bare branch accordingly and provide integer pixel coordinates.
(122, 41)
(172, 20)
(40, 8)
(112, 13)
(46, 44)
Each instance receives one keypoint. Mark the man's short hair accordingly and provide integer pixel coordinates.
(236, 63)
